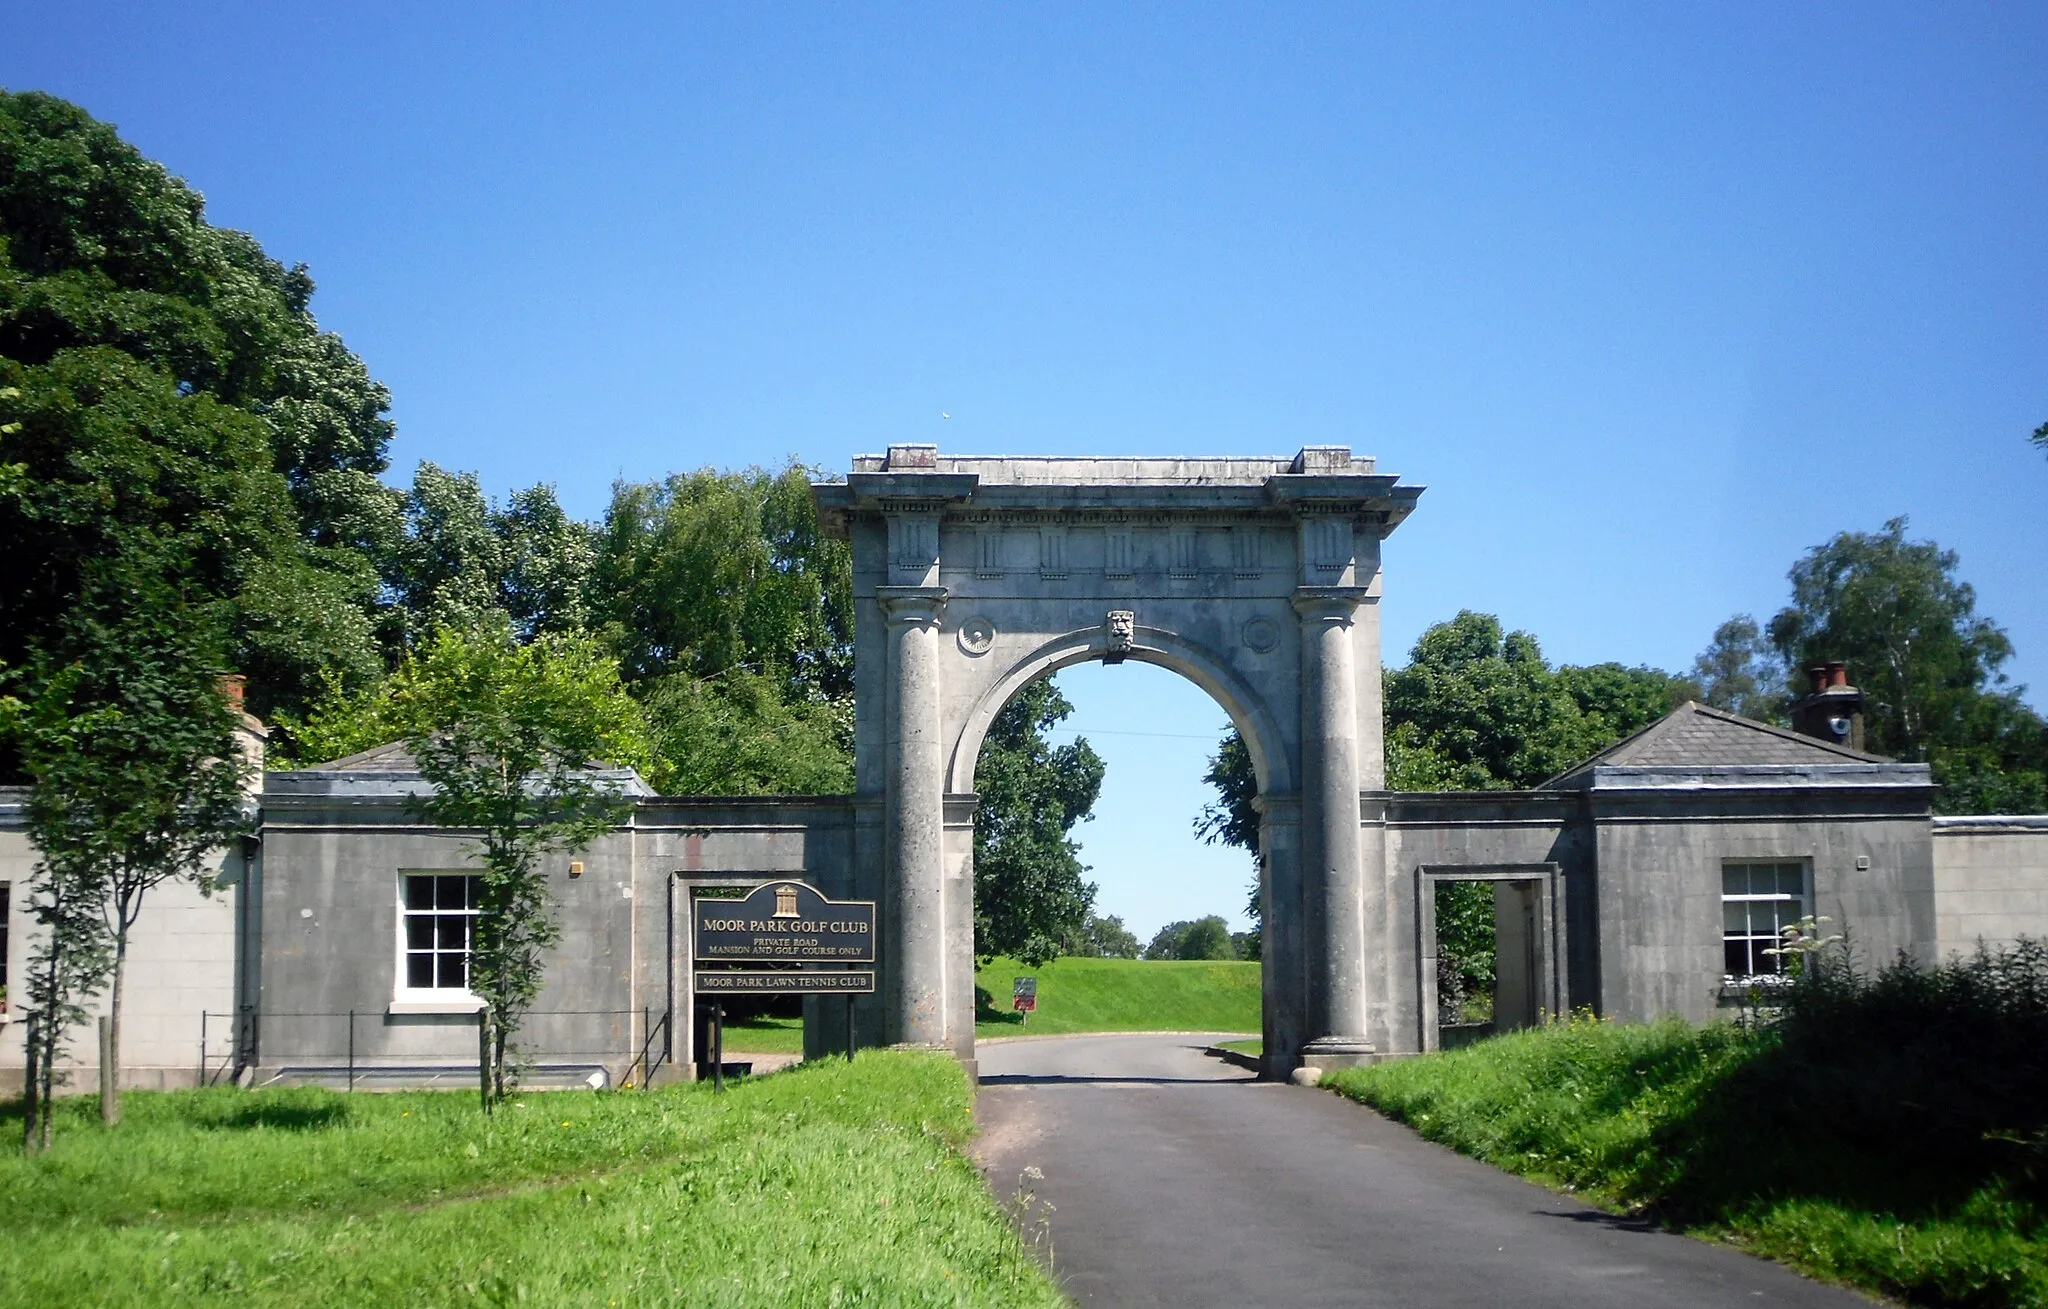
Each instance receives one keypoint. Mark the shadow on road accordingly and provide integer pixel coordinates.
(1615, 1222)
(1107, 1079)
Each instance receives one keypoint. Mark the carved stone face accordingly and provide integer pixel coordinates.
(1122, 627)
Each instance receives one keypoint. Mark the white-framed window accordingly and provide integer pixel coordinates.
(1759, 900)
(436, 929)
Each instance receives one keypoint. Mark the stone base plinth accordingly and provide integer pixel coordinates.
(1331, 1052)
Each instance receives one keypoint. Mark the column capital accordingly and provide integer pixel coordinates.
(911, 604)
(1328, 603)
(1283, 807)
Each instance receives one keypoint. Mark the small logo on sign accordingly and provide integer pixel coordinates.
(785, 902)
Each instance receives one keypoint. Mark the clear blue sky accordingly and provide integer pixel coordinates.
(1653, 298)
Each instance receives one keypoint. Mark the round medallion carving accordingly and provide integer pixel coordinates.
(1261, 634)
(976, 636)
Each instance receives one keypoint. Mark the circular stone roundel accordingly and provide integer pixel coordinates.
(1262, 634)
(976, 636)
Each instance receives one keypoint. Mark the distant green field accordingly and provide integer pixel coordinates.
(765, 1034)
(1124, 995)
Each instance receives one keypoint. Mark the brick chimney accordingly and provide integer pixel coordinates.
(1831, 709)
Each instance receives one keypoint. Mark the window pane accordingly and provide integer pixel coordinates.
(419, 971)
(419, 893)
(419, 932)
(453, 932)
(1734, 917)
(1790, 880)
(448, 893)
(1735, 952)
(1734, 879)
(453, 974)
(472, 888)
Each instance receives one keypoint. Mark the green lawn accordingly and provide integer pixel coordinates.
(1124, 995)
(1756, 1139)
(833, 1184)
(765, 1034)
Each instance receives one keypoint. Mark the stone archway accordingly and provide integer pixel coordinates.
(1258, 579)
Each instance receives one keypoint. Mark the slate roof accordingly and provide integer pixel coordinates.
(1697, 736)
(390, 757)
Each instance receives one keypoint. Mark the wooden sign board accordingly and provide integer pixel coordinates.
(785, 922)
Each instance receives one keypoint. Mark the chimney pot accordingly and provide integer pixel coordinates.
(234, 688)
(1817, 678)
(1838, 673)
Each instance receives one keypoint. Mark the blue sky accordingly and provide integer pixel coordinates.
(1653, 298)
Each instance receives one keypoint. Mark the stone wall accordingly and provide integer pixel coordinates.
(1991, 880)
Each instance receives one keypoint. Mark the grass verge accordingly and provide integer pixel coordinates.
(1722, 1132)
(828, 1185)
(1121, 995)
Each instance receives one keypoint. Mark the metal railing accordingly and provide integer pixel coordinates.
(360, 1047)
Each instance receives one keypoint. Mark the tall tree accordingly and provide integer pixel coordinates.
(1199, 938)
(1101, 937)
(1029, 891)
(1740, 671)
(1930, 667)
(510, 737)
(139, 781)
(733, 618)
(116, 295)
(460, 559)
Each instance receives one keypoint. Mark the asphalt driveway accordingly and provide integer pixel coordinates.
(1175, 1179)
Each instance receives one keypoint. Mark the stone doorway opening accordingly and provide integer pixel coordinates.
(1489, 941)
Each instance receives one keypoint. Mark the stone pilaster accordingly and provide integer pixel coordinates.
(915, 875)
(1335, 889)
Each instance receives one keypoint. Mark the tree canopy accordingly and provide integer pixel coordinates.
(176, 402)
(1930, 667)
(1199, 938)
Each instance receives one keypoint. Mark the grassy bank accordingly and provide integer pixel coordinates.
(1123, 995)
(829, 1185)
(1890, 1136)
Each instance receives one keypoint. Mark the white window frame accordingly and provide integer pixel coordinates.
(1802, 907)
(409, 999)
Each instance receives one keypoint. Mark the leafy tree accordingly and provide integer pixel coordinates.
(1231, 818)
(510, 736)
(460, 559)
(1200, 938)
(1740, 671)
(1029, 893)
(1465, 942)
(67, 963)
(138, 780)
(1928, 664)
(708, 571)
(739, 734)
(125, 315)
(1101, 937)
(1475, 708)
(1615, 700)
(733, 618)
